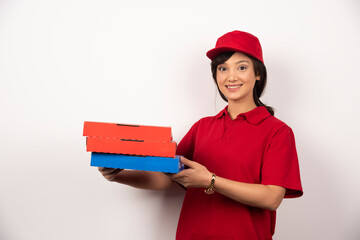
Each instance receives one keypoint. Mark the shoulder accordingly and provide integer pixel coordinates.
(206, 121)
(276, 123)
(278, 129)
(202, 121)
(203, 125)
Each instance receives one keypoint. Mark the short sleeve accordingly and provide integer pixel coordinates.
(280, 164)
(187, 144)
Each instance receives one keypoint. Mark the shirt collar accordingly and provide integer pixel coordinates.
(254, 116)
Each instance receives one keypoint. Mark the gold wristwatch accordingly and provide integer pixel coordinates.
(210, 189)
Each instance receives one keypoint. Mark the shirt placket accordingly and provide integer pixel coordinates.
(230, 125)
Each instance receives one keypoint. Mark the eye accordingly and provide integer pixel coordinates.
(242, 68)
(222, 69)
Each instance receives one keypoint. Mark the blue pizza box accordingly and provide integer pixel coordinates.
(145, 163)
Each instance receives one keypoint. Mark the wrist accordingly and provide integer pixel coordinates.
(207, 180)
(211, 187)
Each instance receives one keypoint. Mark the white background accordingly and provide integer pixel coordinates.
(69, 61)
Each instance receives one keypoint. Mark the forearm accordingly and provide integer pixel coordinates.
(255, 195)
(143, 179)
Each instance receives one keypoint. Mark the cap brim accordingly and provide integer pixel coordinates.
(216, 51)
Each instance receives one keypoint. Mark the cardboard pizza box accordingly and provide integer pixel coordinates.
(127, 131)
(132, 147)
(157, 164)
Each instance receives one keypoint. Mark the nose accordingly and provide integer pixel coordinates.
(232, 76)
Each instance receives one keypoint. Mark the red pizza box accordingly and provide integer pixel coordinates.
(127, 131)
(131, 147)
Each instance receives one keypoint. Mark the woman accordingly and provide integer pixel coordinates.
(244, 158)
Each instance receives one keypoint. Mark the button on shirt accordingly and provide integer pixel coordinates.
(253, 148)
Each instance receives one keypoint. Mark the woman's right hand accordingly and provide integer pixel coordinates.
(109, 173)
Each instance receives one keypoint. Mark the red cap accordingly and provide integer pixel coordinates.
(237, 41)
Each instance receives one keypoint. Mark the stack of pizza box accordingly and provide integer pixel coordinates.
(137, 147)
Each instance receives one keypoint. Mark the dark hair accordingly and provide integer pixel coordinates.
(259, 69)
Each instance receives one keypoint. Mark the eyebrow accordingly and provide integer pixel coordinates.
(242, 61)
(238, 62)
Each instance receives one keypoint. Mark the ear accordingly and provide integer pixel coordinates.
(257, 78)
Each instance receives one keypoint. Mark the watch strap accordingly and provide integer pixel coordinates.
(211, 188)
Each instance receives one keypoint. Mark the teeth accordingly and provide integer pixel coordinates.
(235, 86)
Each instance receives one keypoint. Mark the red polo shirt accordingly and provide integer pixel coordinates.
(253, 148)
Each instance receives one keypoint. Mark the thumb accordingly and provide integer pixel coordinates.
(188, 162)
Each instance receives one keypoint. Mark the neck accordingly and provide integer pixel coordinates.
(234, 109)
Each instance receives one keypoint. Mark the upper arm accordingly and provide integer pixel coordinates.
(280, 165)
(186, 146)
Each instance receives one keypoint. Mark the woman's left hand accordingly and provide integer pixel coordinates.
(195, 176)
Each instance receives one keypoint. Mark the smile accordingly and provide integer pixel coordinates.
(233, 86)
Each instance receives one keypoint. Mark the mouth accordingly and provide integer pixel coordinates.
(233, 87)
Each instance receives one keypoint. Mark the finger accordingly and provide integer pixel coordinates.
(104, 169)
(180, 175)
(188, 162)
(178, 180)
(176, 176)
(107, 171)
(115, 171)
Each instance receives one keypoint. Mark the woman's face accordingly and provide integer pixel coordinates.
(236, 78)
